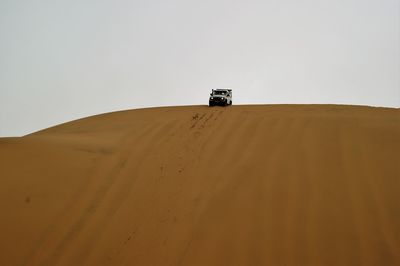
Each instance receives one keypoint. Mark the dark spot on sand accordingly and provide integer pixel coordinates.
(195, 116)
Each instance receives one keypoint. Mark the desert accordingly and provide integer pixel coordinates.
(194, 185)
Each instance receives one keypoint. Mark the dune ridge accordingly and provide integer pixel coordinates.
(193, 185)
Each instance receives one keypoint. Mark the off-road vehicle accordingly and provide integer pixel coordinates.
(220, 97)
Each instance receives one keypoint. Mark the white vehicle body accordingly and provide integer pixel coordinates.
(220, 97)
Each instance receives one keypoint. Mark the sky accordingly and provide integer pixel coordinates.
(61, 60)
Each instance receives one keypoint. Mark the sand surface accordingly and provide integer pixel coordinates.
(242, 185)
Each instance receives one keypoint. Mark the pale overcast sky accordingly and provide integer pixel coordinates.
(62, 60)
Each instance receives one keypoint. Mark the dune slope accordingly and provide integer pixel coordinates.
(242, 185)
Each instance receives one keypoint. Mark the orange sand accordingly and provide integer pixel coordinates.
(242, 185)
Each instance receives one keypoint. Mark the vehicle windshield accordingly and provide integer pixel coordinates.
(219, 93)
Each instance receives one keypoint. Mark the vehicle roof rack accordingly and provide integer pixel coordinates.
(222, 89)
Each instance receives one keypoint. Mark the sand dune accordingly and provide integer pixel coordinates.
(243, 185)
